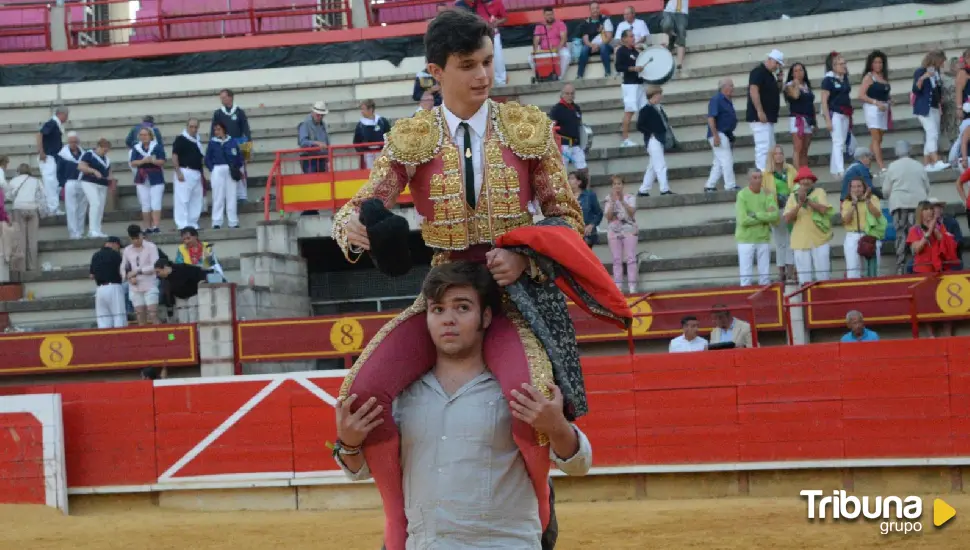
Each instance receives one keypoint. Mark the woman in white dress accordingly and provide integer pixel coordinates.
(876, 101)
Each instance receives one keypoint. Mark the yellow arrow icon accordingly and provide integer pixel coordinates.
(942, 512)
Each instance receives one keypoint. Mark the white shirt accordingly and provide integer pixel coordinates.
(479, 125)
(26, 193)
(681, 344)
(607, 27)
(640, 31)
(672, 6)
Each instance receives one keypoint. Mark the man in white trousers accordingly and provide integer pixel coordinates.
(188, 155)
(75, 203)
(109, 298)
(50, 141)
(764, 101)
(722, 120)
(756, 211)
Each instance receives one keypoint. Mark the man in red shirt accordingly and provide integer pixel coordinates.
(492, 11)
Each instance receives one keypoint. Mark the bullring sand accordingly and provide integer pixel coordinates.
(729, 523)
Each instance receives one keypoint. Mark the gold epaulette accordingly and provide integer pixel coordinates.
(524, 129)
(415, 140)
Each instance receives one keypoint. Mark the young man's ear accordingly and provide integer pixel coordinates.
(435, 71)
(486, 318)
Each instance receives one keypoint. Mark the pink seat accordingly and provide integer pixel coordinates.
(23, 28)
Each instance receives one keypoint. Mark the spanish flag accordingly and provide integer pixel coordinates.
(324, 190)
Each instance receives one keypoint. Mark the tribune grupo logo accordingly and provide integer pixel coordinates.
(895, 514)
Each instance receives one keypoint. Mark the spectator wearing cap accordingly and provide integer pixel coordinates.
(236, 125)
(70, 178)
(223, 158)
(690, 340)
(728, 328)
(312, 134)
(183, 282)
(138, 268)
(148, 121)
(568, 118)
(424, 83)
(952, 226)
(146, 160)
(905, 184)
(963, 180)
(810, 214)
(596, 32)
(857, 329)
(865, 227)
(28, 201)
(188, 156)
(860, 169)
(371, 128)
(96, 177)
(764, 102)
(109, 298)
(722, 120)
(837, 110)
(50, 141)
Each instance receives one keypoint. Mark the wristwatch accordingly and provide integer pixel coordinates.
(342, 449)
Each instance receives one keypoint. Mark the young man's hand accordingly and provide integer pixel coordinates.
(506, 266)
(533, 408)
(353, 428)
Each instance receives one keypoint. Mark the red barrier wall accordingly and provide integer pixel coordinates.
(895, 399)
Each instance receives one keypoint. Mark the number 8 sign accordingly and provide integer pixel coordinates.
(953, 294)
(56, 352)
(347, 335)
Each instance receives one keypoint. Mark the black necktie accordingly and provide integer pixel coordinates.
(469, 170)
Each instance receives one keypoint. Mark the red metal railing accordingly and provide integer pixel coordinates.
(171, 21)
(25, 37)
(389, 12)
(295, 162)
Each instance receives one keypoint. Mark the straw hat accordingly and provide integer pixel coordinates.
(320, 108)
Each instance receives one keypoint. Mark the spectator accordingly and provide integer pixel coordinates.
(837, 109)
(26, 195)
(67, 175)
(592, 212)
(596, 31)
(809, 211)
(637, 27)
(721, 123)
(876, 101)
(728, 328)
(493, 12)
(224, 160)
(4, 163)
(50, 141)
(370, 129)
(756, 210)
(801, 105)
(928, 91)
(764, 86)
(8, 233)
(652, 122)
(147, 122)
(183, 283)
(674, 24)
(154, 373)
(109, 299)
(550, 36)
(955, 109)
(426, 104)
(187, 156)
(857, 329)
(138, 268)
(623, 234)
(865, 227)
(312, 133)
(192, 251)
(952, 227)
(689, 340)
(96, 178)
(961, 183)
(236, 126)
(632, 86)
(860, 169)
(904, 185)
(568, 117)
(779, 180)
(146, 159)
(424, 83)
(934, 248)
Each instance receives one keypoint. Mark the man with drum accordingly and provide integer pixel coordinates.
(569, 125)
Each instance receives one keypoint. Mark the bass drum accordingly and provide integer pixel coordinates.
(585, 138)
(658, 65)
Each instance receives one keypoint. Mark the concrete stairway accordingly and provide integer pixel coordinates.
(692, 232)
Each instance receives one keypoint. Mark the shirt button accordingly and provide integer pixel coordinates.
(440, 470)
(444, 437)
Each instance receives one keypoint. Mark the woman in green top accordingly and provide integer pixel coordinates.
(779, 180)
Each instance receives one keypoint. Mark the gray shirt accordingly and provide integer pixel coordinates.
(309, 131)
(905, 184)
(465, 482)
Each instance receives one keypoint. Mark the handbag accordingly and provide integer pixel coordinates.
(867, 246)
(235, 173)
